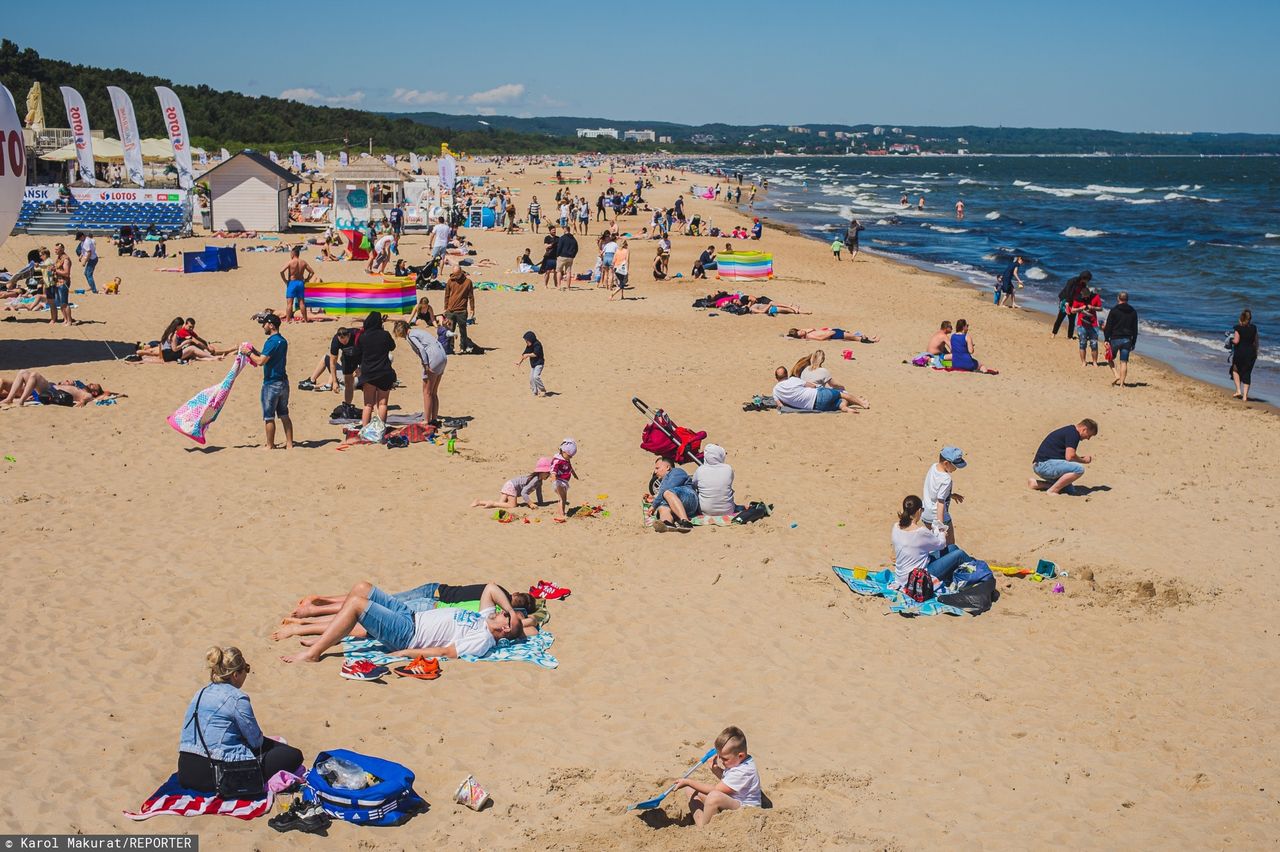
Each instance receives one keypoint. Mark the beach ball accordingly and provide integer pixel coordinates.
(13, 164)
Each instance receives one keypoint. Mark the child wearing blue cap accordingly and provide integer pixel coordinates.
(938, 494)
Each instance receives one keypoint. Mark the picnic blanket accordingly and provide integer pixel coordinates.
(696, 520)
(786, 409)
(172, 799)
(509, 288)
(876, 584)
(196, 415)
(532, 650)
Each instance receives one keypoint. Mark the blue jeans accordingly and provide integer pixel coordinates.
(1121, 347)
(1051, 470)
(275, 400)
(387, 620)
(688, 499)
(946, 561)
(1087, 334)
(828, 400)
(88, 274)
(419, 599)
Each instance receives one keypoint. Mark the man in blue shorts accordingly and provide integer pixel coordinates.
(675, 499)
(797, 394)
(1057, 464)
(295, 275)
(275, 381)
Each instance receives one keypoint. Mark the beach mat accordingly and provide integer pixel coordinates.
(532, 650)
(172, 799)
(392, 420)
(876, 584)
(786, 409)
(696, 520)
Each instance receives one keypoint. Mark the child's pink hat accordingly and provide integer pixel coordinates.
(543, 465)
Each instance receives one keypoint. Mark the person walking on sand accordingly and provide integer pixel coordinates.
(1057, 464)
(459, 305)
(533, 351)
(851, 237)
(566, 251)
(88, 251)
(1085, 308)
(275, 381)
(295, 275)
(1121, 333)
(1004, 292)
(1244, 352)
(535, 214)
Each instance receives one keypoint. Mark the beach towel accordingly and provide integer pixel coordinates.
(392, 420)
(696, 520)
(532, 650)
(744, 265)
(196, 415)
(786, 409)
(509, 288)
(360, 297)
(876, 584)
(172, 799)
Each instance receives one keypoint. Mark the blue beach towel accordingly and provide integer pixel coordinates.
(532, 650)
(877, 585)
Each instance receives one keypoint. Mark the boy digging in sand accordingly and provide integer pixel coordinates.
(738, 781)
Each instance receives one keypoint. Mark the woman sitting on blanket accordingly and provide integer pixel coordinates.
(314, 612)
(72, 394)
(962, 350)
(830, 334)
(811, 369)
(918, 546)
(174, 347)
(713, 480)
(406, 633)
(220, 727)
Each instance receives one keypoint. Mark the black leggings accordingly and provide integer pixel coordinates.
(1071, 326)
(195, 771)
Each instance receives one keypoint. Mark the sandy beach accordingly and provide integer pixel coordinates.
(1136, 709)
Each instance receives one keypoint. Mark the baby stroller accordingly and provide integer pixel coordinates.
(664, 438)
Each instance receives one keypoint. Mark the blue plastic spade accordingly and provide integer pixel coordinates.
(650, 804)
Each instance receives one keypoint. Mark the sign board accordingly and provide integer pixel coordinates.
(49, 193)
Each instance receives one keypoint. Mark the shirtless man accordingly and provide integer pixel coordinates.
(61, 285)
(68, 393)
(959, 209)
(938, 344)
(295, 275)
(831, 334)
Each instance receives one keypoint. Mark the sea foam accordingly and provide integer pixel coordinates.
(1081, 232)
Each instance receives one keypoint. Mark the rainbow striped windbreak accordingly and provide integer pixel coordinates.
(744, 264)
(395, 296)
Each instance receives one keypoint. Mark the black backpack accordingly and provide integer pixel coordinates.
(919, 585)
(754, 512)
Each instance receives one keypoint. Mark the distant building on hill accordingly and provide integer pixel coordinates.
(877, 131)
(664, 139)
(587, 133)
(796, 129)
(823, 134)
(637, 135)
(702, 139)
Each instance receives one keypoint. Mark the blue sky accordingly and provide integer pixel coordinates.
(1119, 65)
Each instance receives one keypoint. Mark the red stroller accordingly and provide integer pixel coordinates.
(664, 438)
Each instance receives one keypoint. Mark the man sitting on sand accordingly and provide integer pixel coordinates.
(1057, 464)
(792, 392)
(675, 499)
(941, 337)
(430, 633)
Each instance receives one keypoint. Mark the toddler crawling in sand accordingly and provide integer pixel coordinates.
(738, 781)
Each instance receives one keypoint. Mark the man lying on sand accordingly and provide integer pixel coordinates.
(72, 394)
(797, 393)
(314, 613)
(830, 334)
(430, 633)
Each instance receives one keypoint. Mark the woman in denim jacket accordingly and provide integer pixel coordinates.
(228, 730)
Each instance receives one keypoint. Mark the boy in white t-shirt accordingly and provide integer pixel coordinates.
(738, 781)
(938, 495)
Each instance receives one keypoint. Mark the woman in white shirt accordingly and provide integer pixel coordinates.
(918, 546)
(817, 373)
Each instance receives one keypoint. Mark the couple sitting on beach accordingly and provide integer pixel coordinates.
(952, 350)
(813, 389)
(432, 620)
(679, 496)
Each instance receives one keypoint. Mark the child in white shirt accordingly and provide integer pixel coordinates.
(738, 781)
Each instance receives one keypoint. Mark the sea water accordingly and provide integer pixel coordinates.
(1194, 240)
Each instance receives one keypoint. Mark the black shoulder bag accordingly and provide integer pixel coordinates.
(233, 779)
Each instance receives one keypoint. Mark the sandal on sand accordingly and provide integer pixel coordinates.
(423, 668)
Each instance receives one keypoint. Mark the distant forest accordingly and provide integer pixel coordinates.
(233, 120)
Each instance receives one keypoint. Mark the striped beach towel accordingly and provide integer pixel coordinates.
(172, 799)
(532, 650)
(696, 520)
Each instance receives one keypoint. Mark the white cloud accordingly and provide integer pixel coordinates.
(311, 96)
(498, 95)
(414, 97)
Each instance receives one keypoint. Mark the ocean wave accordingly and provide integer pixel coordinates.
(867, 185)
(888, 243)
(1175, 196)
(1123, 190)
(1073, 231)
(1271, 236)
(1105, 197)
(943, 228)
(1186, 187)
(1060, 192)
(1022, 183)
(1035, 273)
(994, 214)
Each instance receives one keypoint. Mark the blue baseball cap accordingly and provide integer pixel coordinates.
(955, 455)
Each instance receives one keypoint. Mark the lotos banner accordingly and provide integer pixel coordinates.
(78, 121)
(176, 123)
(127, 125)
(46, 193)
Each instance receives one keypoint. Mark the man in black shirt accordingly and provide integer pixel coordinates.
(1057, 464)
(341, 354)
(566, 251)
(1121, 334)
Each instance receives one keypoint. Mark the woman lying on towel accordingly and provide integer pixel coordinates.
(220, 727)
(409, 633)
(314, 612)
(830, 334)
(30, 385)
